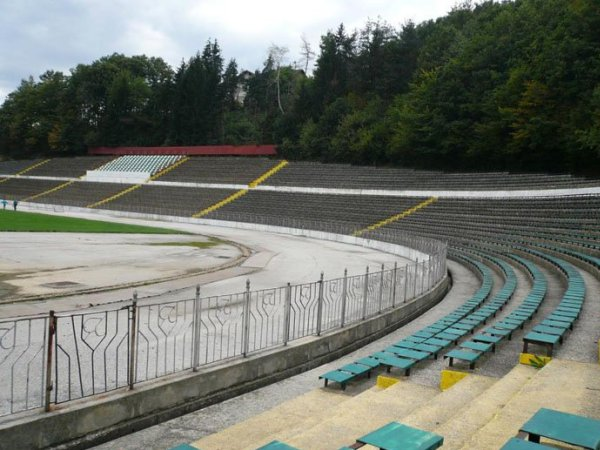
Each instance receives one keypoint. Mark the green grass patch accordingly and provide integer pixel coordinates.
(34, 222)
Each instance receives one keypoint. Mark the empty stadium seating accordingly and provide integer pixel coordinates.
(542, 242)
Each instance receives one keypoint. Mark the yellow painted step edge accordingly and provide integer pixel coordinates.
(449, 378)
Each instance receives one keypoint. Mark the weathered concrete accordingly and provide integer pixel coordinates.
(85, 422)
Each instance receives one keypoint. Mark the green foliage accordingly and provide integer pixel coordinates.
(537, 362)
(510, 85)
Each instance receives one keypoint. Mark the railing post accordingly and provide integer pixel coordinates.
(49, 361)
(197, 329)
(246, 320)
(393, 288)
(287, 312)
(415, 279)
(344, 298)
(365, 294)
(381, 289)
(429, 272)
(422, 277)
(405, 283)
(320, 307)
(132, 341)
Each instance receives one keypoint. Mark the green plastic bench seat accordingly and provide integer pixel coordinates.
(499, 332)
(486, 338)
(389, 360)
(447, 336)
(368, 361)
(456, 332)
(184, 447)
(464, 326)
(549, 330)
(546, 340)
(507, 325)
(423, 334)
(397, 436)
(557, 324)
(277, 445)
(432, 349)
(520, 444)
(357, 369)
(408, 353)
(559, 318)
(560, 312)
(470, 357)
(439, 342)
(338, 376)
(564, 427)
(478, 346)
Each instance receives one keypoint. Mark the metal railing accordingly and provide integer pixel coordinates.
(68, 356)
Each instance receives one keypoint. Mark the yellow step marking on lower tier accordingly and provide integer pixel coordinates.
(233, 197)
(222, 203)
(49, 191)
(396, 217)
(27, 169)
(115, 196)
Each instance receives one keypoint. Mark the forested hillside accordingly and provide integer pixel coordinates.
(498, 86)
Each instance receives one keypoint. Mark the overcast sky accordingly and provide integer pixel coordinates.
(37, 35)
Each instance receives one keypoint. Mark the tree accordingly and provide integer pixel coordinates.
(277, 54)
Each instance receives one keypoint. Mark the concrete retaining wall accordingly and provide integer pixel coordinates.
(89, 422)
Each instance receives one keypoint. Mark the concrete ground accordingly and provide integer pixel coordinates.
(94, 260)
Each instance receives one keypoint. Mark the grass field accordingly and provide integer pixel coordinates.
(34, 222)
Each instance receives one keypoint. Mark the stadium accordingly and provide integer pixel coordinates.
(390, 307)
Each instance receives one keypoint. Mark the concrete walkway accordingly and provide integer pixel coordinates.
(214, 418)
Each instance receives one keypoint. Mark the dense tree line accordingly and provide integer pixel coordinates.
(511, 85)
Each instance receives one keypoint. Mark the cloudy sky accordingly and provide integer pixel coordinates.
(37, 35)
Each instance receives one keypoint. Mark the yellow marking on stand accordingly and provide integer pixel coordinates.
(530, 359)
(168, 168)
(41, 163)
(272, 171)
(450, 377)
(49, 191)
(385, 382)
(114, 197)
(396, 217)
(220, 204)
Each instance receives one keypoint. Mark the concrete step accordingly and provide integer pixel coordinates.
(480, 410)
(262, 427)
(567, 386)
(294, 428)
(360, 415)
(444, 406)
